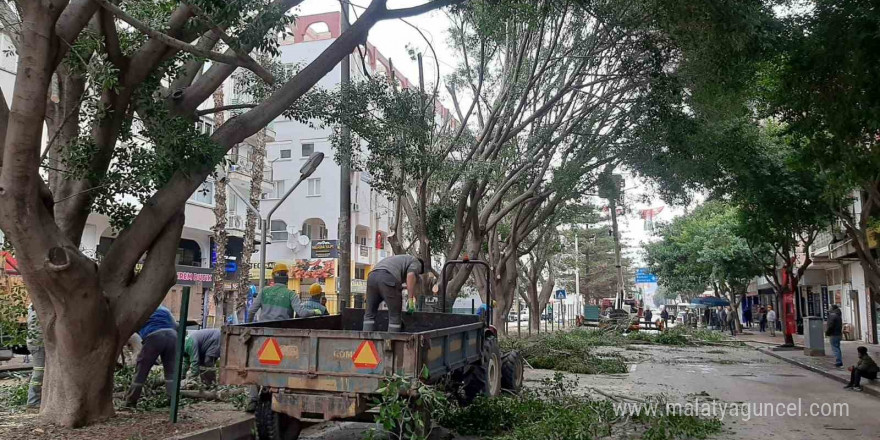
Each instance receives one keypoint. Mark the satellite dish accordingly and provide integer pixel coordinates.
(303, 240)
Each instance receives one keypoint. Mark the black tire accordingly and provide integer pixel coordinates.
(272, 425)
(492, 360)
(512, 367)
(473, 382)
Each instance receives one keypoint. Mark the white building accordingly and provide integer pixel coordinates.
(304, 229)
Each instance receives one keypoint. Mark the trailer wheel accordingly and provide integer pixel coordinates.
(273, 425)
(492, 358)
(512, 371)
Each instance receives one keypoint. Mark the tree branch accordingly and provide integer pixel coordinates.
(224, 108)
(418, 10)
(238, 60)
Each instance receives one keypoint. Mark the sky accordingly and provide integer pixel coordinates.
(392, 37)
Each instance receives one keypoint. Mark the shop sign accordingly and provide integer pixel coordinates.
(190, 276)
(325, 249)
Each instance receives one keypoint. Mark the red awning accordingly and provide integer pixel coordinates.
(10, 263)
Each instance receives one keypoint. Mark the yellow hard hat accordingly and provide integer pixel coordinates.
(279, 267)
(315, 290)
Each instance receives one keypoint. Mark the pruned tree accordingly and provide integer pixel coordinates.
(118, 87)
(705, 250)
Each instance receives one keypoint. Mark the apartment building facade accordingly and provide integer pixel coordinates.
(304, 229)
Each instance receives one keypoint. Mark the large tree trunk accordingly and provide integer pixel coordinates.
(80, 357)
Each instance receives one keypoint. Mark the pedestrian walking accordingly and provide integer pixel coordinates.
(386, 283)
(731, 321)
(38, 359)
(866, 367)
(771, 320)
(648, 315)
(159, 336)
(664, 314)
(762, 319)
(747, 317)
(834, 331)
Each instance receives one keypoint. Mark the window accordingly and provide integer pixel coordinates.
(315, 187)
(205, 194)
(314, 232)
(360, 273)
(280, 188)
(308, 149)
(278, 230)
(285, 154)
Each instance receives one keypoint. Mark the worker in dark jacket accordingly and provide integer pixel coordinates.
(159, 337)
(201, 350)
(834, 331)
(866, 368)
(386, 283)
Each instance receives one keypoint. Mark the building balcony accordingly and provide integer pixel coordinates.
(362, 254)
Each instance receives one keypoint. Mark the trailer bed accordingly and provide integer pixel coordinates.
(328, 367)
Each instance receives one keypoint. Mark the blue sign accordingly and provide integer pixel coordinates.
(231, 267)
(643, 276)
(560, 294)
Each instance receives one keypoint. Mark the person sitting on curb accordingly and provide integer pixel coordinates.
(866, 368)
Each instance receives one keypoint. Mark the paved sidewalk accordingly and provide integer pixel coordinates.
(823, 365)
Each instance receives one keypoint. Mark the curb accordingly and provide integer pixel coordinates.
(867, 390)
(241, 429)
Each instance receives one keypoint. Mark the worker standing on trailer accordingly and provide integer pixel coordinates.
(278, 302)
(386, 283)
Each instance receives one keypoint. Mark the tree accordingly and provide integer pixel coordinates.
(823, 86)
(705, 250)
(86, 68)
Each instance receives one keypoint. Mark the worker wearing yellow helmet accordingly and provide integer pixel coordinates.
(278, 302)
(314, 301)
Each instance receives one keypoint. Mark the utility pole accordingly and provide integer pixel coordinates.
(343, 282)
(577, 269)
(619, 296)
(610, 187)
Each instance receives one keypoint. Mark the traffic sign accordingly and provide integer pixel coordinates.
(366, 356)
(644, 276)
(560, 294)
(270, 353)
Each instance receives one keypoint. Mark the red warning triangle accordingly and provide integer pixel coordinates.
(270, 353)
(366, 356)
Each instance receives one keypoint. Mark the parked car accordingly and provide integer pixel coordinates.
(524, 316)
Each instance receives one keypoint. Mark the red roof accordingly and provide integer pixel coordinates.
(10, 263)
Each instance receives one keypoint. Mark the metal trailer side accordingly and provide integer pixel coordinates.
(315, 367)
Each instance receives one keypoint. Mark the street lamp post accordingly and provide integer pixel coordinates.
(304, 172)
